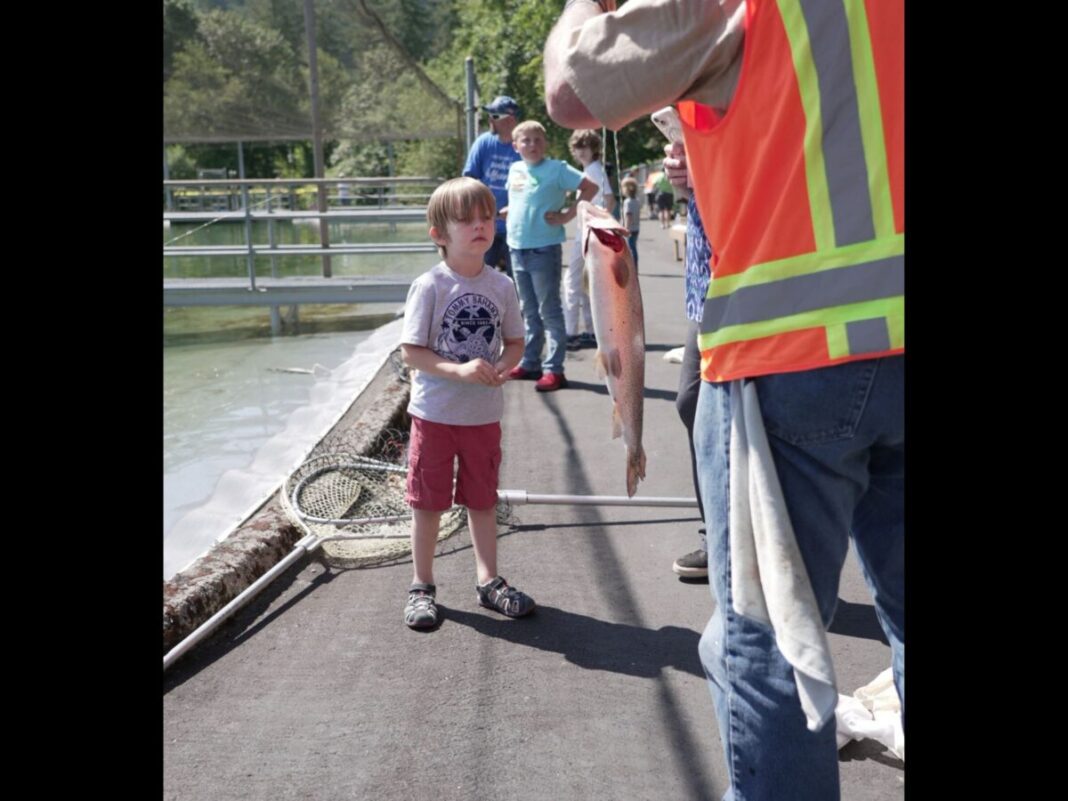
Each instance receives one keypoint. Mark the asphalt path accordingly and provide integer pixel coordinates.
(317, 689)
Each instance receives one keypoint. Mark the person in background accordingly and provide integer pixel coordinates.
(665, 200)
(537, 190)
(632, 215)
(488, 161)
(586, 148)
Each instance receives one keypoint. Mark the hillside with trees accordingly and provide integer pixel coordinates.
(390, 75)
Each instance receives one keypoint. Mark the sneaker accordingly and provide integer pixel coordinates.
(523, 374)
(496, 594)
(550, 382)
(588, 340)
(575, 341)
(421, 612)
(692, 565)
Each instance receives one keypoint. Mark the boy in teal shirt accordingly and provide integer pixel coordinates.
(537, 189)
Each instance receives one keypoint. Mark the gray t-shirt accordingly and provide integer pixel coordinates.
(633, 207)
(460, 319)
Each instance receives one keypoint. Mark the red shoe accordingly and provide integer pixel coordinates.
(550, 382)
(521, 374)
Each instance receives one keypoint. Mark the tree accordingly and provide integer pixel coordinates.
(179, 27)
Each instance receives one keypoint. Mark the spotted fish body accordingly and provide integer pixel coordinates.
(619, 324)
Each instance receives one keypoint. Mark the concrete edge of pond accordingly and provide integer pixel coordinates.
(193, 595)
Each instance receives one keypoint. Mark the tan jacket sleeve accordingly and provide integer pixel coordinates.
(651, 53)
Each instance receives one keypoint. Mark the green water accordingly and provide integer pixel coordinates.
(209, 324)
(231, 389)
(289, 233)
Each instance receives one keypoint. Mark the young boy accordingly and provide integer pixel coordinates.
(632, 214)
(537, 188)
(586, 147)
(462, 334)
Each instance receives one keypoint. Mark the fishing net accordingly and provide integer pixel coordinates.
(355, 506)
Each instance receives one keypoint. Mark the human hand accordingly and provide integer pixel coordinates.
(675, 165)
(479, 371)
(558, 217)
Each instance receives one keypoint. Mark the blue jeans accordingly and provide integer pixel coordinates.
(837, 436)
(537, 278)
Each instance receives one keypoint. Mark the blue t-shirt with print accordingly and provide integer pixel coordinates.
(532, 191)
(488, 161)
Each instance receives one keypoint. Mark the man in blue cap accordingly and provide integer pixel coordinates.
(490, 158)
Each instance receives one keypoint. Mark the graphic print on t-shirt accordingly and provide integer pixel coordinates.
(496, 175)
(470, 330)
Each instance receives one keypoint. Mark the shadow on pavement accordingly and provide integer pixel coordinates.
(601, 389)
(860, 750)
(590, 643)
(241, 626)
(857, 620)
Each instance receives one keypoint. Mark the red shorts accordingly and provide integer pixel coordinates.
(434, 447)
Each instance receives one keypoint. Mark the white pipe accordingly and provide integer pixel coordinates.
(306, 545)
(521, 497)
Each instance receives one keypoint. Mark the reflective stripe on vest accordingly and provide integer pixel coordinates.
(852, 284)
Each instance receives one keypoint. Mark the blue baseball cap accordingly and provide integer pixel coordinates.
(503, 105)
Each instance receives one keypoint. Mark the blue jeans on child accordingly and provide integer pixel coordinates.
(632, 240)
(537, 278)
(837, 436)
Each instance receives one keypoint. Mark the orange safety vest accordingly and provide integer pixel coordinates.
(800, 186)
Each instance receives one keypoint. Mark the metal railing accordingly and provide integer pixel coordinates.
(202, 195)
(390, 199)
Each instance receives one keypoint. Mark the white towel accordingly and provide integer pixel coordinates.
(769, 582)
(872, 712)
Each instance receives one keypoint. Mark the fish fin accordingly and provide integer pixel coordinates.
(635, 470)
(600, 364)
(615, 364)
(617, 422)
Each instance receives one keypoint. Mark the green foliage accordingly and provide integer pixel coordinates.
(179, 26)
(506, 39)
(441, 158)
(180, 165)
(239, 68)
(235, 75)
(360, 159)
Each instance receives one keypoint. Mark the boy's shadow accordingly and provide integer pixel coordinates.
(590, 643)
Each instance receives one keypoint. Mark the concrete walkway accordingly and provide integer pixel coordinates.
(317, 690)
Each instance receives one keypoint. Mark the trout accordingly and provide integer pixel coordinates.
(619, 325)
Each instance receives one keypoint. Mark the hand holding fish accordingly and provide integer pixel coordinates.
(677, 168)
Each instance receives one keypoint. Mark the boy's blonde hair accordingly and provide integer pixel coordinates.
(630, 187)
(457, 200)
(586, 137)
(526, 127)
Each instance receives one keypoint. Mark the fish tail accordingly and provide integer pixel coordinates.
(635, 469)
